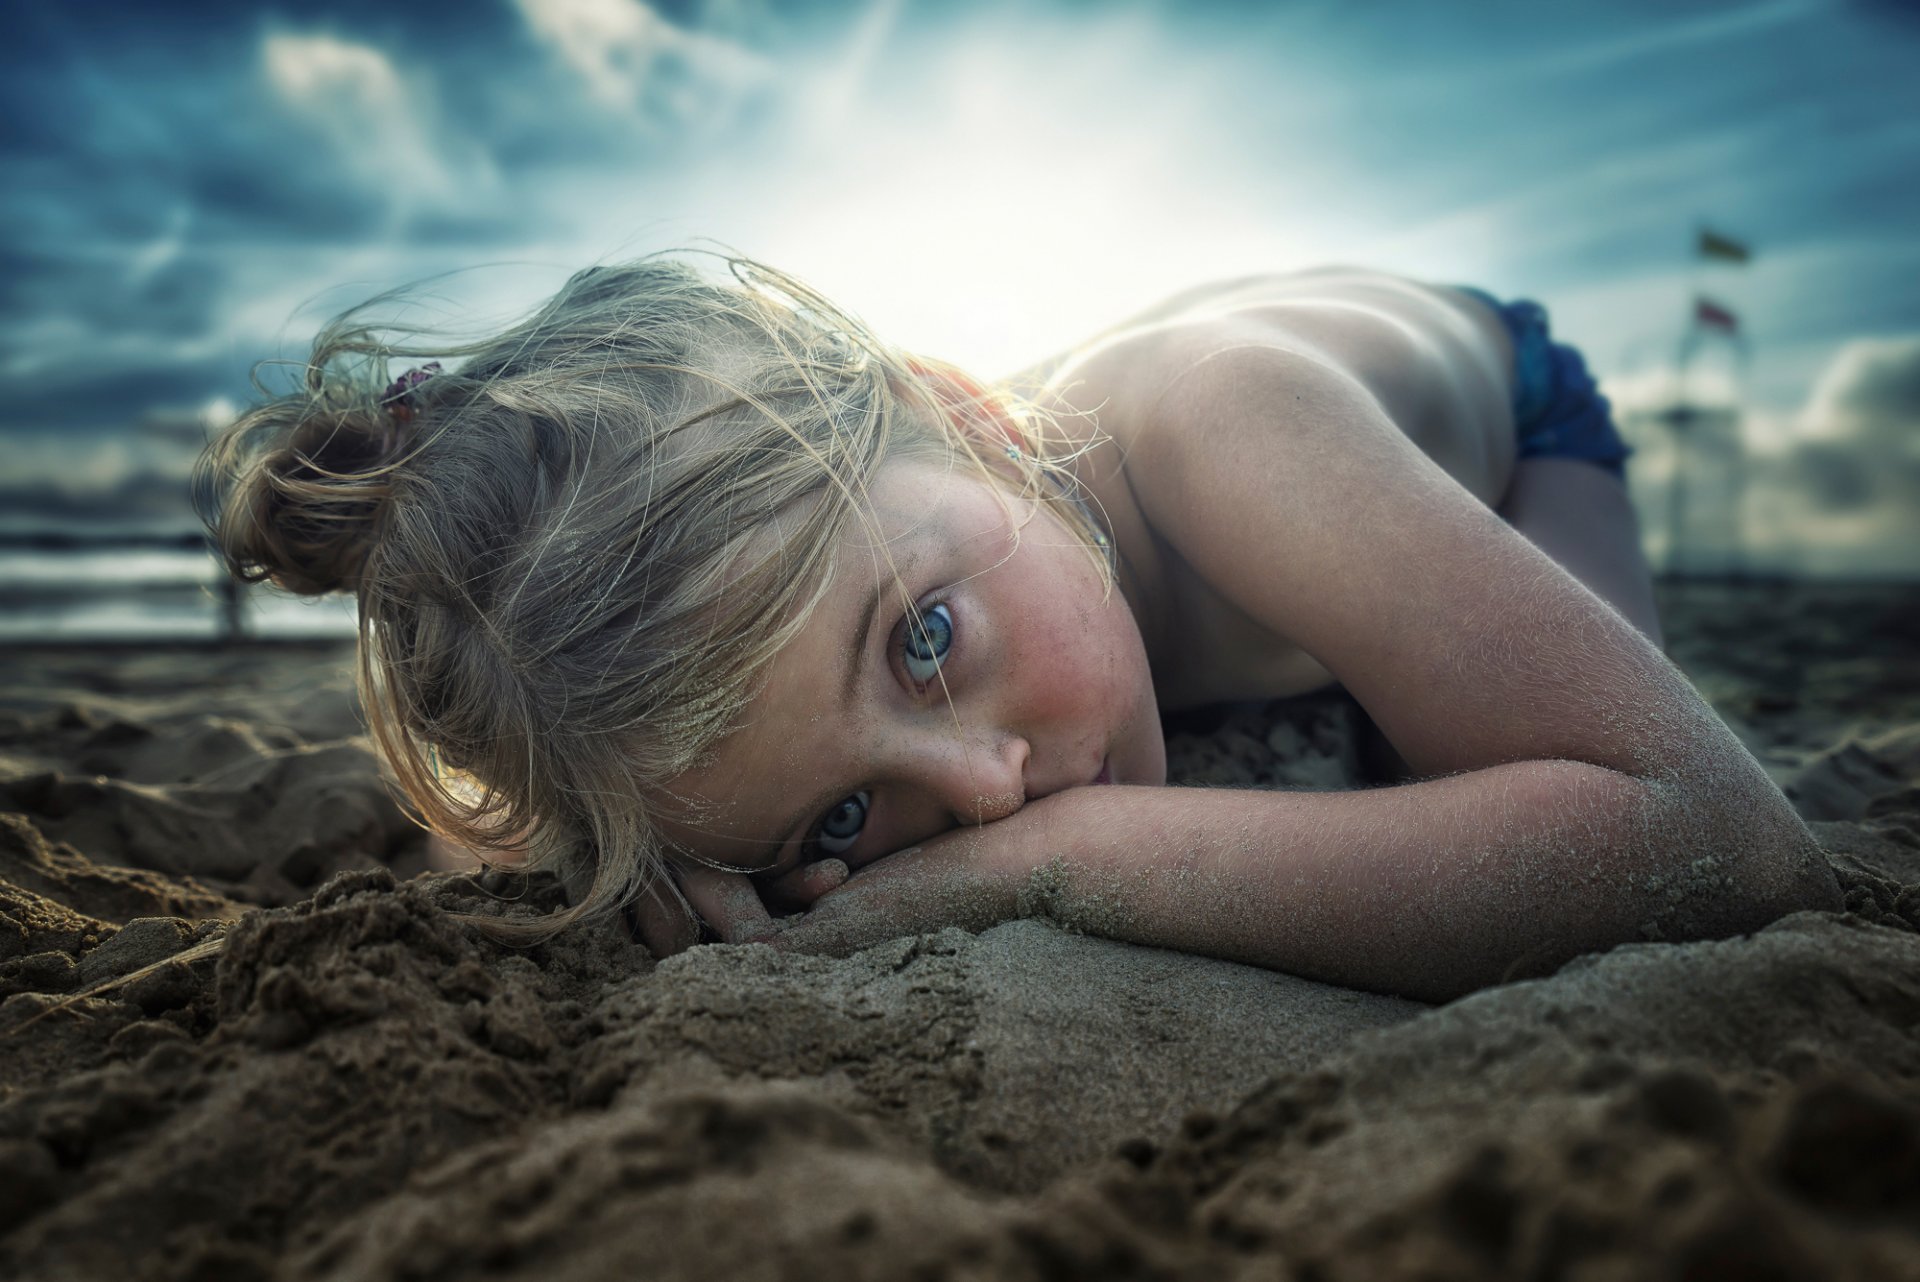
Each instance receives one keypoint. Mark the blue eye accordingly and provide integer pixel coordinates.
(927, 643)
(842, 824)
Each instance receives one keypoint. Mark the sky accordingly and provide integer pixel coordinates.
(188, 190)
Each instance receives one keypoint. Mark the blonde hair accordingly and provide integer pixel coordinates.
(562, 601)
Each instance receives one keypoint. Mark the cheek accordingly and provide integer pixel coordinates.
(1078, 661)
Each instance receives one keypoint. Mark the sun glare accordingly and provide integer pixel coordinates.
(1004, 204)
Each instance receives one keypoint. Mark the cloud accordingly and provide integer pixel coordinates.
(72, 317)
(381, 127)
(633, 60)
(1714, 30)
(1855, 472)
(1830, 490)
(88, 384)
(350, 91)
(1872, 389)
(182, 194)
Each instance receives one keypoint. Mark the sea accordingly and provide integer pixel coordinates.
(126, 582)
(99, 542)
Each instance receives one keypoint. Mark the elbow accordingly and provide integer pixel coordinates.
(1797, 878)
(1783, 868)
(1755, 866)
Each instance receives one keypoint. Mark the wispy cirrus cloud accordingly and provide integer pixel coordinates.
(637, 62)
(380, 126)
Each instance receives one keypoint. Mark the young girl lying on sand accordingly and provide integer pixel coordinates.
(695, 585)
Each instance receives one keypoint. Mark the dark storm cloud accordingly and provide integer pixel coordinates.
(83, 397)
(1902, 11)
(143, 147)
(300, 199)
(133, 169)
(179, 298)
(1766, 113)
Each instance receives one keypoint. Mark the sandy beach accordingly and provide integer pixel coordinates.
(355, 1086)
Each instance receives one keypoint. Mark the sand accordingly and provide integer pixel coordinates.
(358, 1087)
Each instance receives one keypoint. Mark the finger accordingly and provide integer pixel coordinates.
(824, 935)
(908, 893)
(818, 879)
(854, 915)
(661, 921)
(727, 902)
(796, 889)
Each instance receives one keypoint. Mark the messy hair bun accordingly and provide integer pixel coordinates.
(294, 490)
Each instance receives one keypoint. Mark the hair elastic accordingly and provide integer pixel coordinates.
(398, 398)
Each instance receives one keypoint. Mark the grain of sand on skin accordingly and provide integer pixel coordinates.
(361, 1088)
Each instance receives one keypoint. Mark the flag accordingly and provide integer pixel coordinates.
(1725, 248)
(1708, 314)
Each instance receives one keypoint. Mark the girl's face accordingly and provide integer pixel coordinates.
(874, 733)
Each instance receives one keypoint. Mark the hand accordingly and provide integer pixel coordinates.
(732, 905)
(914, 891)
(970, 877)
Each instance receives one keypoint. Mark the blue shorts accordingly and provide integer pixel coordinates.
(1557, 407)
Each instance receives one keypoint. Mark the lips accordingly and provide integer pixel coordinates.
(1106, 773)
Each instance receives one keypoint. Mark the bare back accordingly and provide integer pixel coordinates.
(1436, 360)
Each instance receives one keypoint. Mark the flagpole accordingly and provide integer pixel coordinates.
(1683, 419)
(1738, 466)
(1678, 419)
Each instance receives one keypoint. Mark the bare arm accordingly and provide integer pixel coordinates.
(1581, 517)
(1472, 650)
(1430, 890)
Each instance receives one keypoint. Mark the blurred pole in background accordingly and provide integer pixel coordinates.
(1706, 492)
(233, 621)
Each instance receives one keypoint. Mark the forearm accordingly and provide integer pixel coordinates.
(1431, 889)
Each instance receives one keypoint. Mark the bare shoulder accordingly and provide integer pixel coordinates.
(1438, 362)
(1276, 476)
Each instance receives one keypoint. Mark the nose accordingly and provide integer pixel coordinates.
(978, 779)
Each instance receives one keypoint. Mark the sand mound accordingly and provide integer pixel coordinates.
(358, 1086)
(259, 813)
